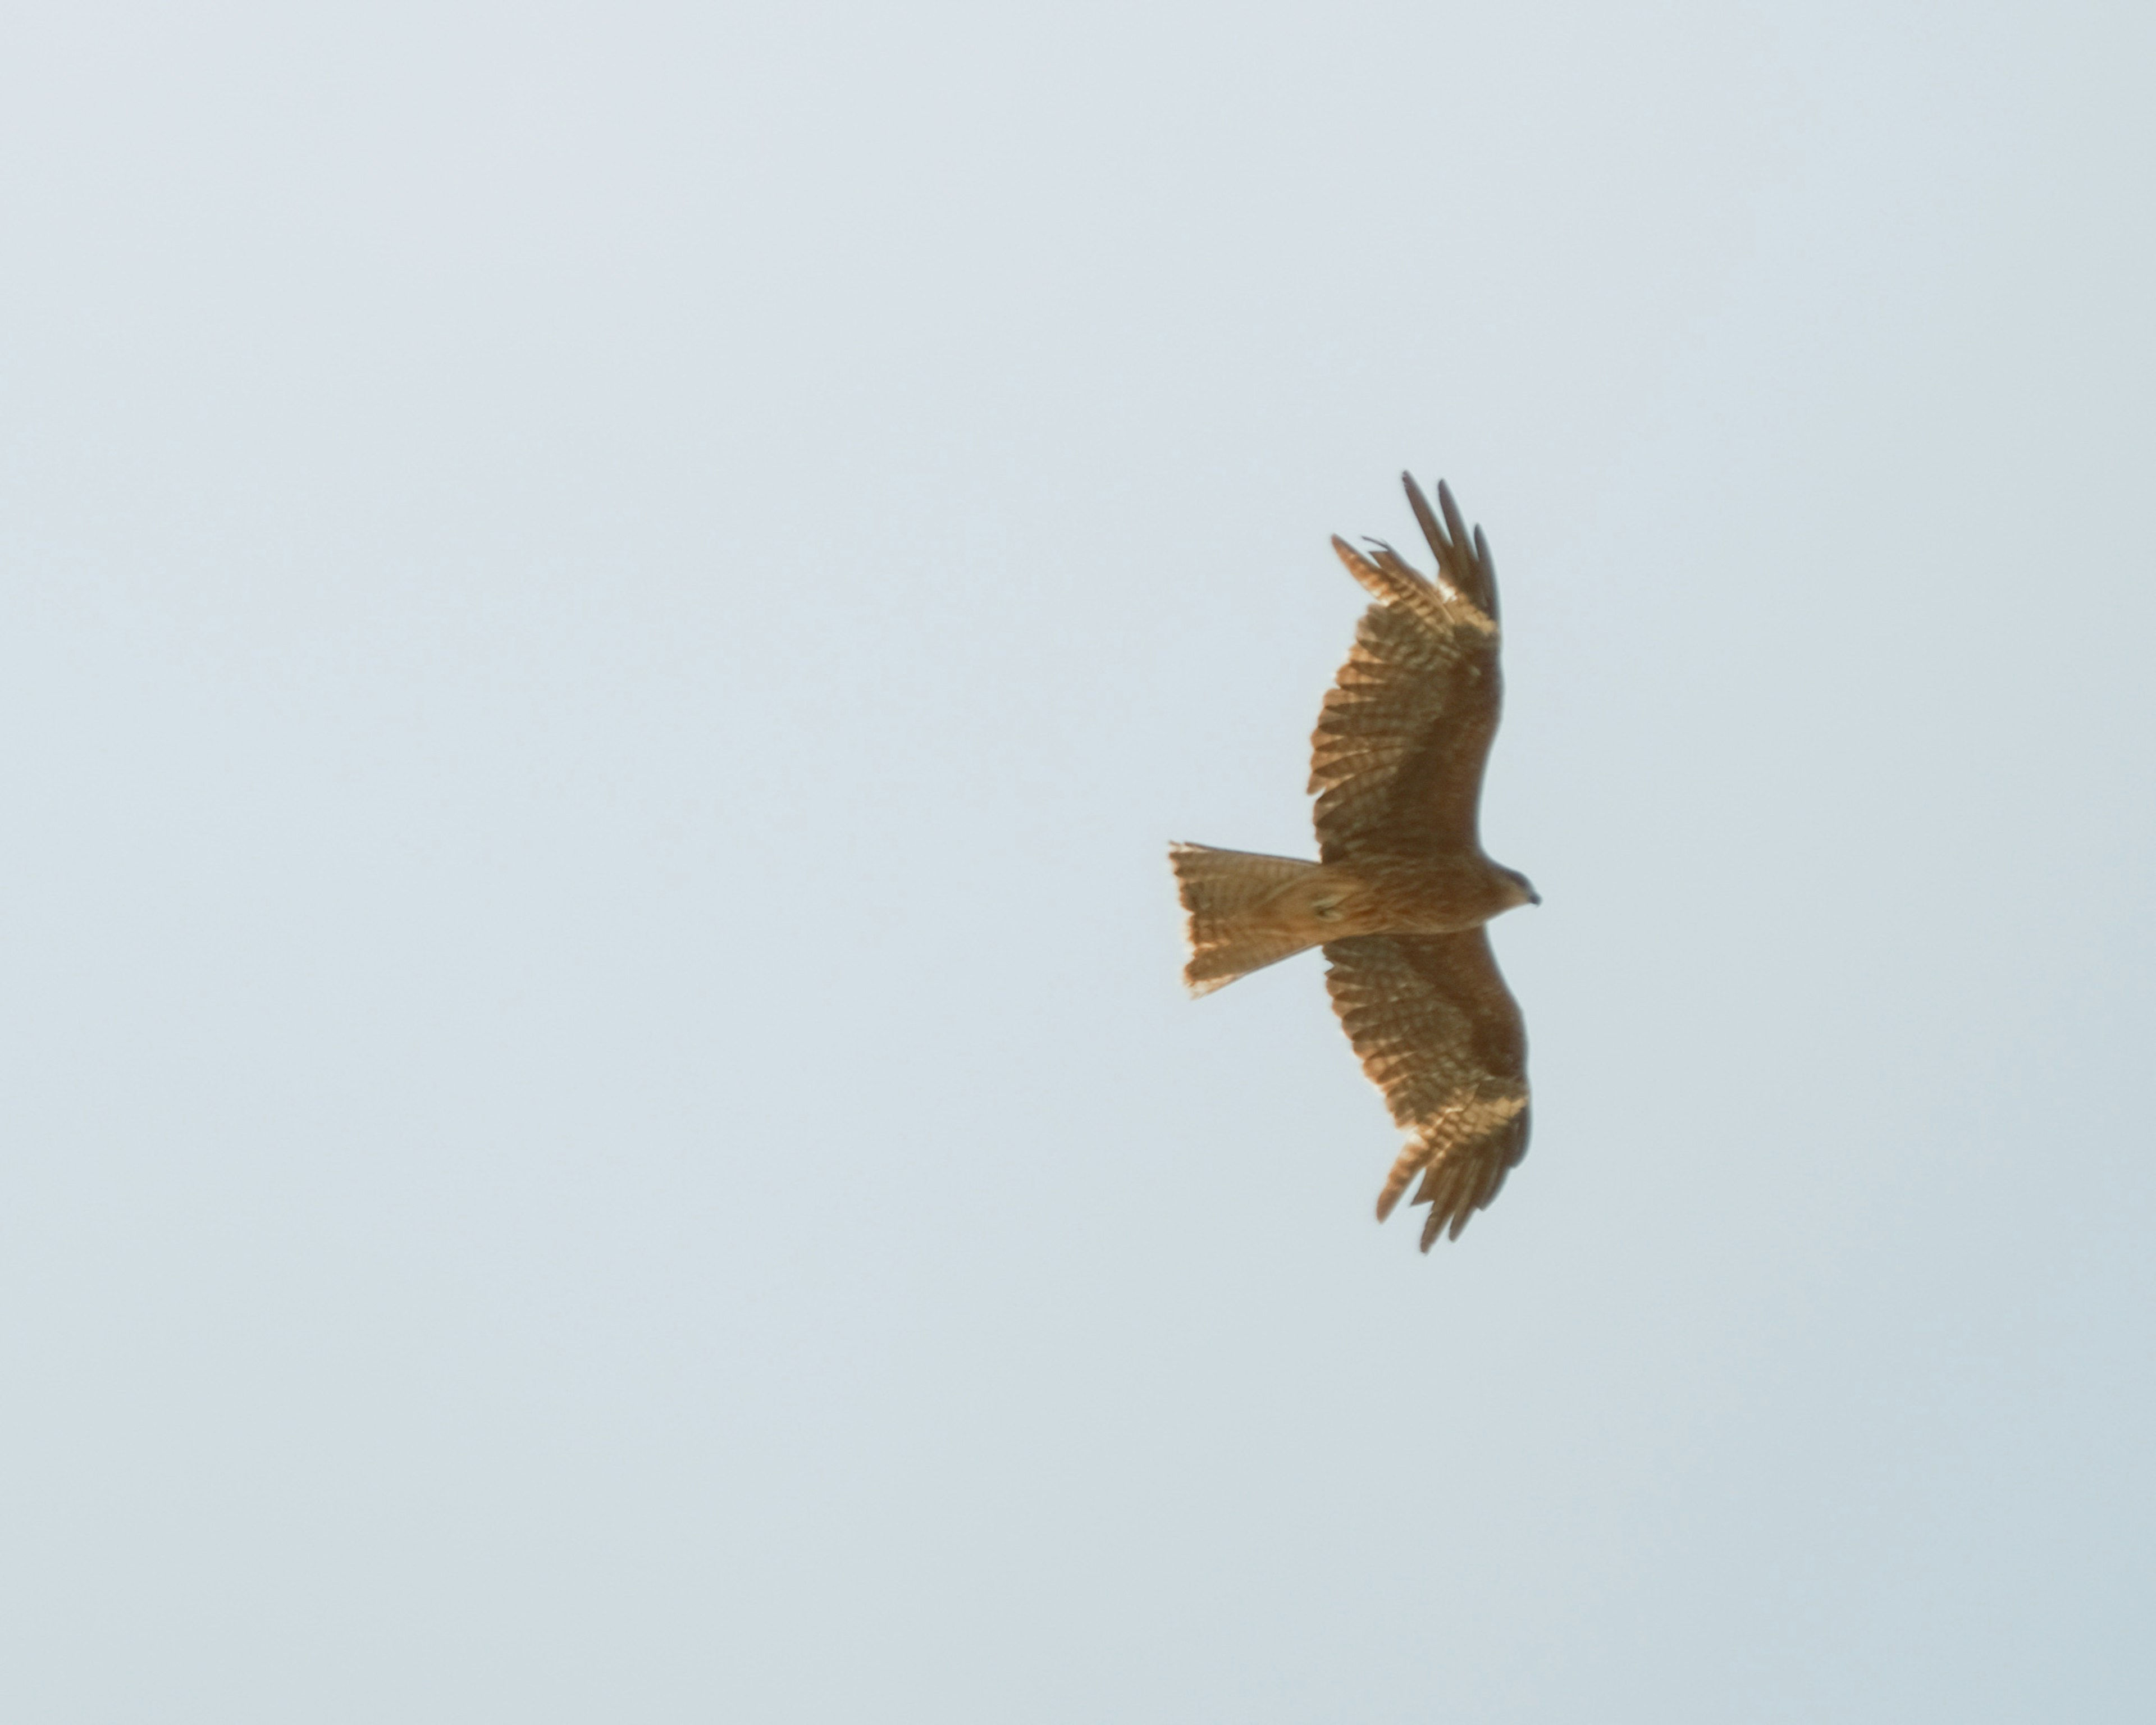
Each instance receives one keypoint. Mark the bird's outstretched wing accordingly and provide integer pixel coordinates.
(1440, 1034)
(1396, 762)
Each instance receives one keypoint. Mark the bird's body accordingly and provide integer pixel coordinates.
(1375, 895)
(1402, 888)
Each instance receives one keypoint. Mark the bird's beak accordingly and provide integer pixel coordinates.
(1533, 897)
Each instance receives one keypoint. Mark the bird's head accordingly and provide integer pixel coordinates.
(1523, 889)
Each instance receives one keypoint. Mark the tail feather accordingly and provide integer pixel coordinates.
(1226, 893)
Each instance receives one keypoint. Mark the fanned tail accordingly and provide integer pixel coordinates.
(1227, 893)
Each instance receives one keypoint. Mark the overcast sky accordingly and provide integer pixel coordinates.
(609, 611)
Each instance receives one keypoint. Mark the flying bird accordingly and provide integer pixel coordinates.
(1402, 889)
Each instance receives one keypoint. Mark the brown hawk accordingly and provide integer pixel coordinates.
(1402, 889)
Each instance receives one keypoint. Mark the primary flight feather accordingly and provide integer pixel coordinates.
(1402, 890)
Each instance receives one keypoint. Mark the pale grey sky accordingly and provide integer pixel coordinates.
(609, 611)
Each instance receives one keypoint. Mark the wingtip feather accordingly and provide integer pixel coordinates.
(1410, 1161)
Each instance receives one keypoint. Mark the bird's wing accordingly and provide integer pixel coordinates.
(1440, 1034)
(1396, 762)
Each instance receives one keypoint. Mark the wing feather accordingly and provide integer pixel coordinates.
(1397, 758)
(1440, 1033)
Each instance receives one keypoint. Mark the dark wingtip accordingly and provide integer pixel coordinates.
(1455, 524)
(1465, 555)
(1426, 518)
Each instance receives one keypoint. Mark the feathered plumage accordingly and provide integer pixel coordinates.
(1402, 889)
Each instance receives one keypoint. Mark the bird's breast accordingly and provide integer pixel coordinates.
(1341, 901)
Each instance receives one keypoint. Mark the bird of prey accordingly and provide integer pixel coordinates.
(1402, 889)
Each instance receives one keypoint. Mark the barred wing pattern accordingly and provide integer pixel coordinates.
(1440, 1033)
(1398, 756)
